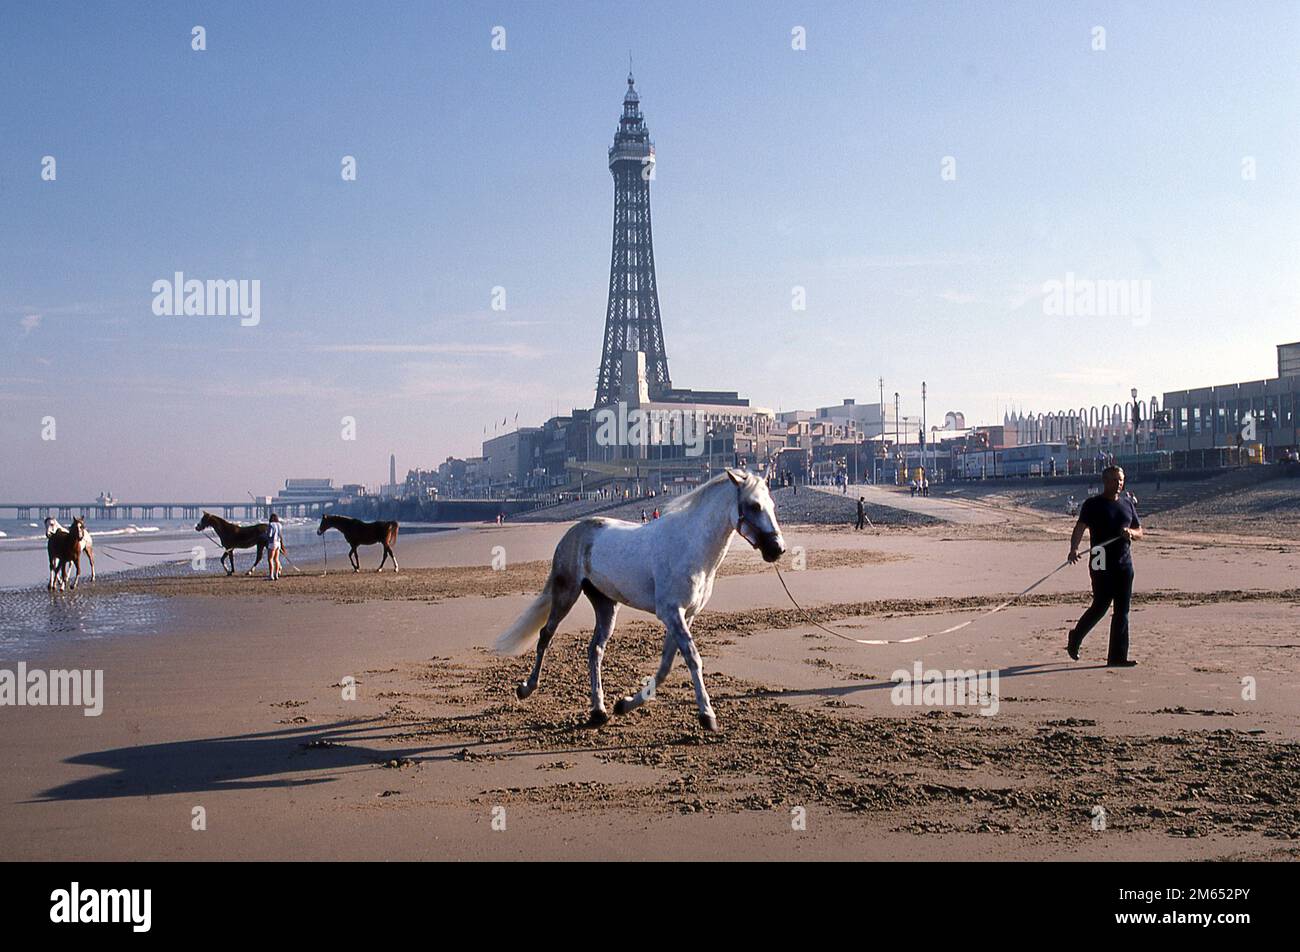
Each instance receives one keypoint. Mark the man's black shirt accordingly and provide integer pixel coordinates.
(1105, 520)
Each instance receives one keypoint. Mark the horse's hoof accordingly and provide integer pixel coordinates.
(622, 705)
(522, 691)
(709, 722)
(598, 718)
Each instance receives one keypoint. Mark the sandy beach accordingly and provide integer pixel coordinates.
(237, 701)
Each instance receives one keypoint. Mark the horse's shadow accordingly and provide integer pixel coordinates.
(284, 757)
(268, 759)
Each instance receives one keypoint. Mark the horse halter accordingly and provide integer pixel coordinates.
(742, 524)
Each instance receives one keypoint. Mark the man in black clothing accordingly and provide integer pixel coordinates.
(1110, 518)
(862, 512)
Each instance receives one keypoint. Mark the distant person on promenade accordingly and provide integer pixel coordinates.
(862, 512)
(1106, 517)
(656, 512)
(274, 545)
(643, 517)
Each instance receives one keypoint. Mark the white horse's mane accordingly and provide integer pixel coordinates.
(695, 496)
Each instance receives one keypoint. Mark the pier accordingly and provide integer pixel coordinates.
(129, 511)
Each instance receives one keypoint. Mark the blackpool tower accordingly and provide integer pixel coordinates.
(632, 314)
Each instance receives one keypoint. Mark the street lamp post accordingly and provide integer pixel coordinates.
(1137, 418)
(881, 408)
(924, 463)
(897, 444)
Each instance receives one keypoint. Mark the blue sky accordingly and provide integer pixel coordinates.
(777, 168)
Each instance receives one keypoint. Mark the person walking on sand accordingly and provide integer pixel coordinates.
(1109, 518)
(862, 512)
(274, 545)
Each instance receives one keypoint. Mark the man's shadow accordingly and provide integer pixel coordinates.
(1014, 671)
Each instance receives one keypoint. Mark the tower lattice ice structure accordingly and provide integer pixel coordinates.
(632, 320)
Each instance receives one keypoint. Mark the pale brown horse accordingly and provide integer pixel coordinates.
(363, 533)
(65, 547)
(234, 536)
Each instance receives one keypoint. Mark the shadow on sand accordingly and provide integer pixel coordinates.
(277, 758)
(284, 758)
(1015, 671)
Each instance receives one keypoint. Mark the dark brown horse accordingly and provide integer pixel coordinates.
(234, 536)
(363, 533)
(61, 548)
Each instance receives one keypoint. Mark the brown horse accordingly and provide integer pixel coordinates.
(234, 536)
(65, 547)
(363, 533)
(61, 548)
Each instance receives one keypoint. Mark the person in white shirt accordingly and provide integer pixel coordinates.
(274, 545)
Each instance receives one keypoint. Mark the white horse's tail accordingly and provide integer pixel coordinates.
(523, 634)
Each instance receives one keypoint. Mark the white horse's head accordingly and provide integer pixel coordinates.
(756, 515)
(52, 527)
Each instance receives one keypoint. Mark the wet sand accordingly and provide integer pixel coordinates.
(238, 707)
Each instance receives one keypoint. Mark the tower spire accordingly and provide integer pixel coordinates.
(632, 320)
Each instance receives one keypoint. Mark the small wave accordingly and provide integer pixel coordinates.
(96, 533)
(126, 530)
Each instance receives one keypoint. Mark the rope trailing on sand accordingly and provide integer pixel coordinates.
(118, 548)
(947, 631)
(290, 561)
(136, 565)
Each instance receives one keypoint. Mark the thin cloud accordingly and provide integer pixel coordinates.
(459, 350)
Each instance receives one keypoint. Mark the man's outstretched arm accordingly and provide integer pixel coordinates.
(1075, 538)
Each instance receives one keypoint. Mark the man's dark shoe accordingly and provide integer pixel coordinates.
(1121, 664)
(1072, 646)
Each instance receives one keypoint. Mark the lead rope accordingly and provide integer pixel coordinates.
(947, 631)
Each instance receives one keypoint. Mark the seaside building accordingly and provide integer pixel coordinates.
(871, 420)
(1234, 415)
(300, 491)
(420, 484)
(509, 458)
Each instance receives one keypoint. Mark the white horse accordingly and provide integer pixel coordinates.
(665, 566)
